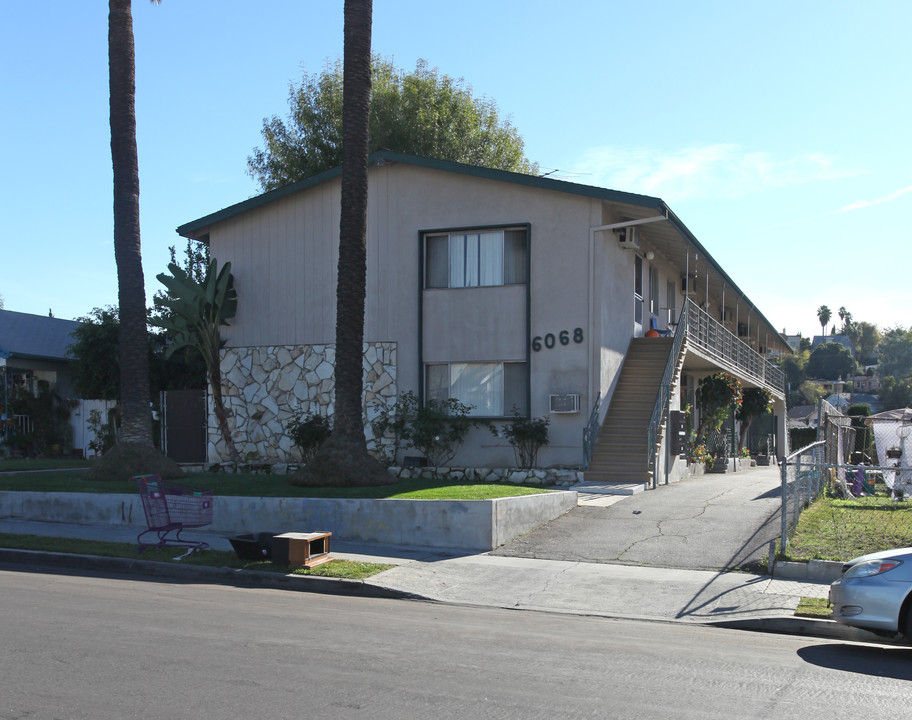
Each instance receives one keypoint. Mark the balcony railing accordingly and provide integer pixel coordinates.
(699, 329)
(711, 337)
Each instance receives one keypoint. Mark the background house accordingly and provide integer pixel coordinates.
(33, 351)
(34, 347)
(503, 290)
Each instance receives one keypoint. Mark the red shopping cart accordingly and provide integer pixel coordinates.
(171, 508)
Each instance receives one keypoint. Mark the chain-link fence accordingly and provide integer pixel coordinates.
(850, 492)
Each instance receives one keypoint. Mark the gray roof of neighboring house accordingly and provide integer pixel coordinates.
(801, 411)
(34, 336)
(841, 339)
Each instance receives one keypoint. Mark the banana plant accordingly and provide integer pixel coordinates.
(194, 317)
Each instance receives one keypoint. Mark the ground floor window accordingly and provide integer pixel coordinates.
(492, 389)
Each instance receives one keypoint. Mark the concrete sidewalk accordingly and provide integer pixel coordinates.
(737, 600)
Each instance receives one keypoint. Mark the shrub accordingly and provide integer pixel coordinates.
(435, 429)
(527, 436)
(104, 434)
(308, 433)
(49, 415)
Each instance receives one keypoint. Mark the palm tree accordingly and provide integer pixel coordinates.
(135, 452)
(823, 315)
(343, 459)
(847, 320)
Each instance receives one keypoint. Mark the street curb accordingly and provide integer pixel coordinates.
(808, 627)
(810, 571)
(37, 559)
(205, 573)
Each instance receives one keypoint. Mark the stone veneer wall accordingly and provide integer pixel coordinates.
(263, 388)
(547, 477)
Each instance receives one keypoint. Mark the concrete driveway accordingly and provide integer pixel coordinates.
(708, 522)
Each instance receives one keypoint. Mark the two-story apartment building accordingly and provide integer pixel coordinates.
(503, 290)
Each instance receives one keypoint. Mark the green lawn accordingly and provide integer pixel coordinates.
(264, 485)
(834, 529)
(43, 464)
(348, 569)
(818, 608)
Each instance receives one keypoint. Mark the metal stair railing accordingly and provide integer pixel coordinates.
(590, 432)
(664, 393)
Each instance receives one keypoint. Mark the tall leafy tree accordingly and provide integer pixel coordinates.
(895, 353)
(95, 350)
(95, 368)
(896, 392)
(823, 317)
(866, 337)
(343, 459)
(422, 113)
(135, 452)
(830, 361)
(754, 403)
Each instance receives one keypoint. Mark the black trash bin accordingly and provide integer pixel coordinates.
(253, 546)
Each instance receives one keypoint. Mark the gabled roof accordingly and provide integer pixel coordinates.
(670, 236)
(196, 229)
(35, 336)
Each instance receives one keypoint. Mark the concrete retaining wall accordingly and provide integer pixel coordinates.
(464, 524)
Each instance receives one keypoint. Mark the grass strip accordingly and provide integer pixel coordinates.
(836, 529)
(28, 465)
(342, 569)
(267, 485)
(813, 607)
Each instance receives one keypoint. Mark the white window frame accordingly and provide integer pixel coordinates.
(464, 256)
(494, 408)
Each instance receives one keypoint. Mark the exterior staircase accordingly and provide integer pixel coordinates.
(620, 455)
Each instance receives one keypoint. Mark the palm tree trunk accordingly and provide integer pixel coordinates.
(134, 343)
(343, 459)
(221, 414)
(352, 269)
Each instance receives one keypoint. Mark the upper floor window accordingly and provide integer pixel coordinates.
(480, 258)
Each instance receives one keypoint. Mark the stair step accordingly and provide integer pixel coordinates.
(622, 450)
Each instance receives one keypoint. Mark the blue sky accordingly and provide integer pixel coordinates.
(776, 131)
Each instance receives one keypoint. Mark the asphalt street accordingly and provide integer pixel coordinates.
(711, 522)
(113, 647)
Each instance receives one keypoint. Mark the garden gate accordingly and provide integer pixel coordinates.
(184, 425)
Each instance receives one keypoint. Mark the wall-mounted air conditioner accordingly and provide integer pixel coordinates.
(627, 238)
(565, 403)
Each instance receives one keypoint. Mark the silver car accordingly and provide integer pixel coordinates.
(875, 593)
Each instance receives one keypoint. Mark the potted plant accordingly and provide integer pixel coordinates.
(700, 458)
(745, 454)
